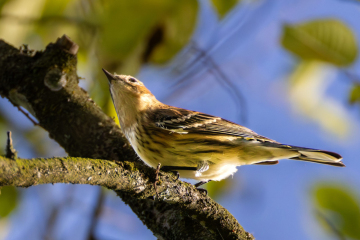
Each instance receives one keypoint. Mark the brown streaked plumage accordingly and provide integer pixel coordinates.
(211, 147)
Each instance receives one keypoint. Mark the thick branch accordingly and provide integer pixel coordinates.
(31, 172)
(46, 85)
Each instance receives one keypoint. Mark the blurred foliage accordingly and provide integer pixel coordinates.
(307, 91)
(2, 3)
(317, 43)
(223, 7)
(339, 210)
(8, 200)
(116, 35)
(327, 40)
(37, 138)
(354, 95)
(218, 188)
(159, 28)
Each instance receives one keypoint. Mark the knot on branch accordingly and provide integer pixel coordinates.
(67, 44)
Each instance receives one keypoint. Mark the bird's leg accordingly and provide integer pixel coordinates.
(175, 169)
(201, 167)
(197, 185)
(201, 183)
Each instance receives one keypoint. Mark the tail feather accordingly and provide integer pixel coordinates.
(283, 151)
(319, 156)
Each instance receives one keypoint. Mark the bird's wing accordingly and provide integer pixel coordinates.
(184, 121)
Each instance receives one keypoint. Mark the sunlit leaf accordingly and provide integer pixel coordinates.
(55, 8)
(223, 7)
(2, 3)
(126, 25)
(178, 25)
(354, 95)
(340, 207)
(59, 17)
(8, 200)
(327, 40)
(18, 18)
(307, 93)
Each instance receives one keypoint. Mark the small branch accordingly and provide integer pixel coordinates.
(223, 79)
(28, 116)
(10, 151)
(219, 75)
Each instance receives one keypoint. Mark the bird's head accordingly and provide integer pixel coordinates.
(126, 85)
(129, 95)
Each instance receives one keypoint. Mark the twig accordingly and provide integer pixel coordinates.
(28, 116)
(10, 151)
(222, 78)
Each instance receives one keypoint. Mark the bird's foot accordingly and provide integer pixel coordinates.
(175, 169)
(197, 185)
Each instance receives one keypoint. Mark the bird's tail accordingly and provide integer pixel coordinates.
(318, 156)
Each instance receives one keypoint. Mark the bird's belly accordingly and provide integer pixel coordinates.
(222, 162)
(215, 172)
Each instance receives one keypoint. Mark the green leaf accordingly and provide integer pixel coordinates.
(223, 7)
(341, 208)
(177, 25)
(327, 40)
(3, 3)
(354, 95)
(55, 8)
(127, 27)
(8, 200)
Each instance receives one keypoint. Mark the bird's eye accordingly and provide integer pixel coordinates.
(133, 80)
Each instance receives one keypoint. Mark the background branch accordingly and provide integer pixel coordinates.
(46, 85)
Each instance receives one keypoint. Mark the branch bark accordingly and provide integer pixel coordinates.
(46, 84)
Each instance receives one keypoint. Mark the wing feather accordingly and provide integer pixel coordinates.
(186, 122)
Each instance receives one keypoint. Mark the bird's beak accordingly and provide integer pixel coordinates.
(109, 75)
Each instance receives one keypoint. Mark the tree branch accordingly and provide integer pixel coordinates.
(46, 84)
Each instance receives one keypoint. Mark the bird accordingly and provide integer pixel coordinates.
(193, 144)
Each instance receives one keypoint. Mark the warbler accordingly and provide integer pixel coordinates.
(196, 145)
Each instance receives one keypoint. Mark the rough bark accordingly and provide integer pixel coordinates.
(46, 84)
